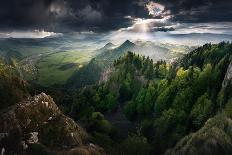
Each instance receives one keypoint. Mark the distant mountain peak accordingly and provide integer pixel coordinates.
(109, 45)
(127, 43)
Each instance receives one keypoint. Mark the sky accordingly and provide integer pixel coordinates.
(164, 20)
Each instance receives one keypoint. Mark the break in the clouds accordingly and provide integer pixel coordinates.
(106, 15)
(142, 25)
(155, 9)
(158, 10)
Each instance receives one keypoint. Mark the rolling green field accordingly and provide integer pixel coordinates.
(57, 67)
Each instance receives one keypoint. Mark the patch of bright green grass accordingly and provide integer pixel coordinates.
(50, 70)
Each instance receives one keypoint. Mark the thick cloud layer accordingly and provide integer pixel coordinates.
(106, 15)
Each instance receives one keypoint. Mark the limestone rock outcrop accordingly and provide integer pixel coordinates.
(38, 124)
(228, 76)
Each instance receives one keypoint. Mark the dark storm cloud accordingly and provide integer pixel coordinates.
(103, 15)
(200, 10)
(24, 14)
(58, 15)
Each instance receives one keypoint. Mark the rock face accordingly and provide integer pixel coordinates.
(228, 76)
(214, 138)
(106, 74)
(38, 123)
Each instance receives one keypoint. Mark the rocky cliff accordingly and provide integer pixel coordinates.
(228, 76)
(37, 126)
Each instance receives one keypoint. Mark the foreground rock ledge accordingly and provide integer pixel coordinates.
(37, 124)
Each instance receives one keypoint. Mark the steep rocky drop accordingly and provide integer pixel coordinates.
(37, 125)
(228, 76)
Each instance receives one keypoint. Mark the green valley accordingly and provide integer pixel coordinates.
(126, 102)
(54, 61)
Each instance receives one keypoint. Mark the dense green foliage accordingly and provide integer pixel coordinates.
(166, 101)
(128, 82)
(189, 99)
(146, 107)
(91, 72)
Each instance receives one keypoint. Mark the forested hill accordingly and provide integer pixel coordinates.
(208, 53)
(91, 73)
(141, 107)
(106, 56)
(164, 101)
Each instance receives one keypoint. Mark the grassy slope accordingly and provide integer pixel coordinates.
(44, 61)
(51, 68)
